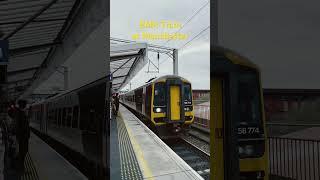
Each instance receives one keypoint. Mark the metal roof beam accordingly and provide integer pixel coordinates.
(17, 81)
(84, 21)
(115, 58)
(33, 21)
(119, 77)
(127, 47)
(10, 73)
(30, 19)
(32, 48)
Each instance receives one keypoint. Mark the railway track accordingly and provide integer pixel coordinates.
(200, 133)
(196, 158)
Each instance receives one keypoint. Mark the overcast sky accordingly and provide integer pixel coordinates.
(194, 61)
(281, 36)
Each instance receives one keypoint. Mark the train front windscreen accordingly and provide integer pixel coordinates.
(160, 99)
(250, 127)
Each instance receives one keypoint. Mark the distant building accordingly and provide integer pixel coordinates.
(200, 93)
(289, 104)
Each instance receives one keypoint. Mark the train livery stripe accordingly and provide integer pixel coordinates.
(142, 162)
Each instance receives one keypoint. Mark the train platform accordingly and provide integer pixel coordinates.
(42, 163)
(137, 153)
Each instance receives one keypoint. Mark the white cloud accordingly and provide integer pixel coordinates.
(194, 58)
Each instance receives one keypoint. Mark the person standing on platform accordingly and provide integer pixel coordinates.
(23, 133)
(116, 102)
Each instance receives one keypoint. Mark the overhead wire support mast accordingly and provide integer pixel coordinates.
(170, 52)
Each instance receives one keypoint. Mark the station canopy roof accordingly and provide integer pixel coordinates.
(33, 28)
(126, 60)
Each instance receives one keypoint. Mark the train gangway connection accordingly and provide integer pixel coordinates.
(137, 153)
(38, 158)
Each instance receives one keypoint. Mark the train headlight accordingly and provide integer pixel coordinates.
(247, 150)
(241, 150)
(159, 109)
(188, 108)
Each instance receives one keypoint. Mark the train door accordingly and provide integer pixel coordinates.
(175, 102)
(148, 100)
(138, 95)
(217, 120)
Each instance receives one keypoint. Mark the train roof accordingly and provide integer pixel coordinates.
(70, 91)
(166, 77)
(233, 56)
(160, 79)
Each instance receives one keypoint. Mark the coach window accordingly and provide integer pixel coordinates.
(69, 116)
(56, 117)
(59, 117)
(64, 117)
(75, 116)
(49, 115)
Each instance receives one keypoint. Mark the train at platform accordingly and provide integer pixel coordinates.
(237, 97)
(165, 104)
(76, 120)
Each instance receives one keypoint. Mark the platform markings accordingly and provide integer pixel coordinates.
(144, 164)
(31, 172)
(129, 164)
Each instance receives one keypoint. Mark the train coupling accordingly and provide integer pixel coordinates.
(177, 128)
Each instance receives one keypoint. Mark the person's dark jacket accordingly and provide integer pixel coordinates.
(22, 126)
(116, 102)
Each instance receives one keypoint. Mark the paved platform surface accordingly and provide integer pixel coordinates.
(155, 159)
(42, 163)
(2, 149)
(49, 164)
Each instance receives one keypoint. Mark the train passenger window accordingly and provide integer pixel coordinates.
(187, 94)
(60, 117)
(75, 117)
(159, 94)
(64, 117)
(69, 116)
(249, 98)
(54, 117)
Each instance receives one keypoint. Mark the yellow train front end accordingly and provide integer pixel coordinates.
(172, 104)
(237, 97)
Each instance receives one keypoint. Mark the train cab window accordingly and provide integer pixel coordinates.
(75, 117)
(69, 116)
(159, 94)
(249, 98)
(187, 94)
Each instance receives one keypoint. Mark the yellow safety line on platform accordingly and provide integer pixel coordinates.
(145, 167)
(39, 173)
